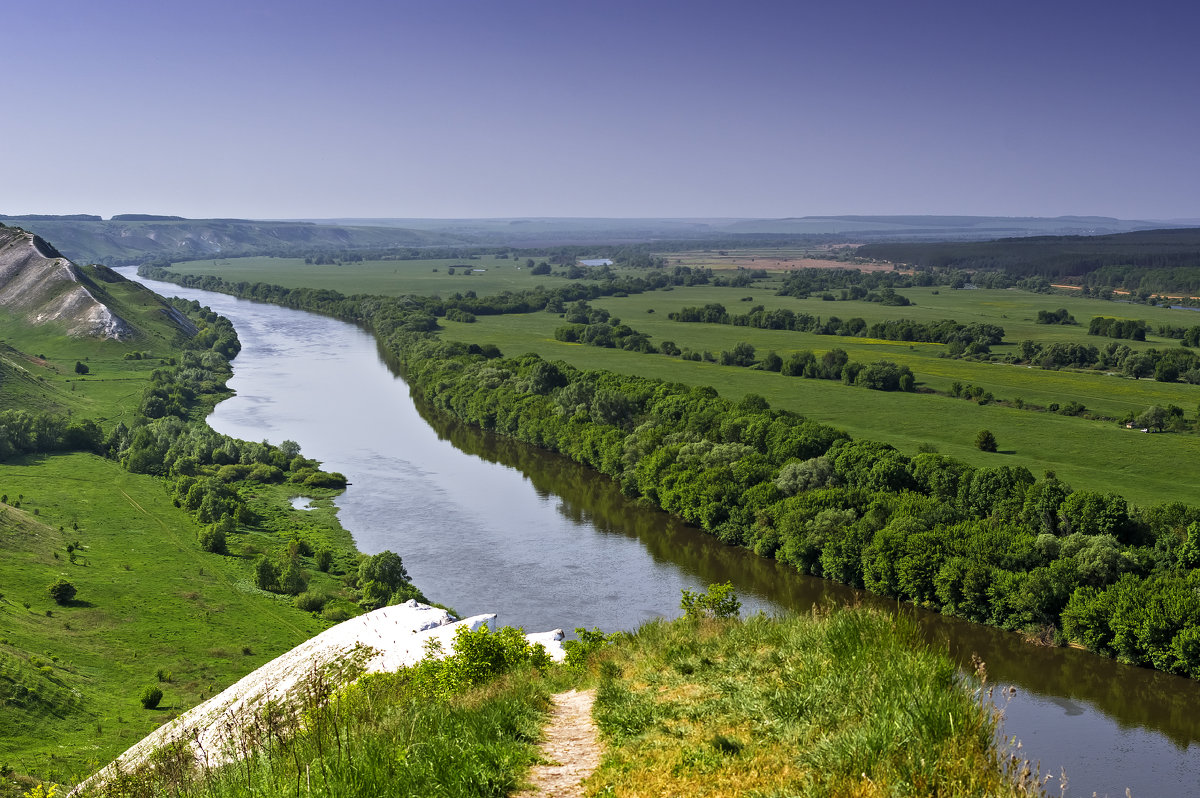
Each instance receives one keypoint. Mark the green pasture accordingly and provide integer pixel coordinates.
(387, 277)
(1088, 454)
(148, 600)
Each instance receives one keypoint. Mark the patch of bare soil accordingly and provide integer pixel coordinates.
(571, 749)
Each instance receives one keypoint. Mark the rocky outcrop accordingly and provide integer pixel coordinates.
(41, 285)
(216, 731)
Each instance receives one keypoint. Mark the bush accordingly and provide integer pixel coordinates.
(151, 696)
(62, 591)
(324, 559)
(719, 601)
(310, 601)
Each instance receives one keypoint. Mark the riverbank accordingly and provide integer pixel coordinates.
(543, 522)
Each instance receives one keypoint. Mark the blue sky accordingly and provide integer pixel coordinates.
(493, 108)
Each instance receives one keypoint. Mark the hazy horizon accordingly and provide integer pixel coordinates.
(475, 109)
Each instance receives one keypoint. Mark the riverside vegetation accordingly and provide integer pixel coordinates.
(133, 538)
(985, 540)
(704, 705)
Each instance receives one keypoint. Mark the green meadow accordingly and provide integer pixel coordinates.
(483, 274)
(151, 609)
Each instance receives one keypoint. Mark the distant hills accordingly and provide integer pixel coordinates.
(135, 238)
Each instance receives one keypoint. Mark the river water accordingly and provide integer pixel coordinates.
(489, 525)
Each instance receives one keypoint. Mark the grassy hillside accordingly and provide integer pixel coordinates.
(151, 608)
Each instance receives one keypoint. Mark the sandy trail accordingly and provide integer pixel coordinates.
(571, 748)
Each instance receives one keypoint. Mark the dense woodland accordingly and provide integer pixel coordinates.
(1150, 262)
(996, 545)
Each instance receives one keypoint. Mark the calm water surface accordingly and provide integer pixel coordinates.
(486, 525)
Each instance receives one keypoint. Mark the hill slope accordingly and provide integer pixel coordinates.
(37, 282)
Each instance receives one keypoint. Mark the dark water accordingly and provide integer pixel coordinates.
(487, 525)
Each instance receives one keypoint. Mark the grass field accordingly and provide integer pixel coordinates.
(387, 278)
(148, 600)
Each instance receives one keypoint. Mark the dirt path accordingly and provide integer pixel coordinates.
(571, 748)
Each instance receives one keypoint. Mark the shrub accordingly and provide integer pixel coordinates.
(719, 601)
(62, 591)
(151, 696)
(324, 559)
(310, 601)
(266, 575)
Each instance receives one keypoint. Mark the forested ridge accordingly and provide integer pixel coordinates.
(995, 545)
(1159, 261)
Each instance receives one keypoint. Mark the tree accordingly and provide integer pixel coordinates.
(81, 368)
(386, 568)
(985, 441)
(1154, 417)
(62, 591)
(266, 575)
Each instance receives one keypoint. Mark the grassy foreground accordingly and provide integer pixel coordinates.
(849, 703)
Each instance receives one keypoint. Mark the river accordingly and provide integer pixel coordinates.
(489, 525)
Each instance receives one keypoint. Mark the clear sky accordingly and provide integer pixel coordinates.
(493, 108)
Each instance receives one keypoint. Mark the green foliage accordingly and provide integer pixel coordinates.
(212, 539)
(151, 696)
(266, 574)
(310, 601)
(580, 651)
(61, 591)
(386, 568)
(985, 441)
(718, 601)
(477, 657)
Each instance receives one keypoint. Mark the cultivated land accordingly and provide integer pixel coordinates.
(1088, 454)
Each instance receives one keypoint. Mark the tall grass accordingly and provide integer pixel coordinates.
(849, 704)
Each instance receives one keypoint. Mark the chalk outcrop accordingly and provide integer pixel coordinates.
(381, 641)
(39, 283)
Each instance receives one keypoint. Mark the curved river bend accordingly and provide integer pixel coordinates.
(487, 525)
